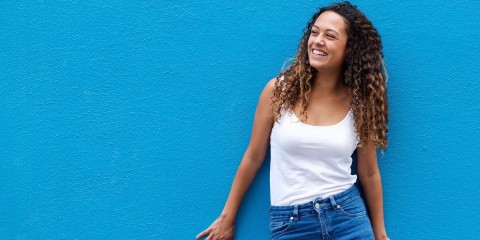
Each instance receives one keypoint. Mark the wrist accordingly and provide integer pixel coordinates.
(382, 237)
(380, 232)
(227, 218)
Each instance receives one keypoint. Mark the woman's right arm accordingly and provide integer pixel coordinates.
(223, 226)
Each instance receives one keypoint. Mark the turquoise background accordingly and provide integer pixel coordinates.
(128, 119)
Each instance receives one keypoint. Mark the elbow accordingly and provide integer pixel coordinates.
(369, 175)
(255, 155)
(252, 159)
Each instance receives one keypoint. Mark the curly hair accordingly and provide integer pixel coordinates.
(364, 69)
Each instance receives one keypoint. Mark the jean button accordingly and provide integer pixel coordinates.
(317, 205)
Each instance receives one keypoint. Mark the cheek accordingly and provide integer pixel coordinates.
(309, 42)
(341, 48)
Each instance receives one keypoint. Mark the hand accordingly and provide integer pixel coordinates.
(219, 230)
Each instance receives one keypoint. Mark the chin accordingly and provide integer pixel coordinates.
(317, 66)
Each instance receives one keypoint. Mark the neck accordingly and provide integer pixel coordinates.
(327, 83)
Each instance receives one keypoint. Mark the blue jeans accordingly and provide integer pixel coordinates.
(338, 217)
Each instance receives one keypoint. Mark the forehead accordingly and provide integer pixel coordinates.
(331, 20)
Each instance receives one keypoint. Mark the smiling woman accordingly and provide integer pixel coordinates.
(327, 42)
(328, 103)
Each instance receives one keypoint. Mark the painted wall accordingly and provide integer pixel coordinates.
(127, 119)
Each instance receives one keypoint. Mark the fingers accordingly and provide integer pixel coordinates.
(211, 236)
(202, 234)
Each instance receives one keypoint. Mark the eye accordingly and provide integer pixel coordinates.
(330, 36)
(314, 33)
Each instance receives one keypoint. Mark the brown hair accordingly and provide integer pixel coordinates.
(363, 67)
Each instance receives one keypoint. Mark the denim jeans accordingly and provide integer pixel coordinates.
(338, 217)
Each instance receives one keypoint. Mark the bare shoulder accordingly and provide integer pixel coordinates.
(270, 86)
(266, 97)
(271, 82)
(268, 91)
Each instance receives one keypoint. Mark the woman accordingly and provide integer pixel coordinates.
(330, 101)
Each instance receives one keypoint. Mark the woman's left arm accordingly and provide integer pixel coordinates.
(369, 176)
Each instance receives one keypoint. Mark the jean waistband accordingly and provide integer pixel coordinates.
(326, 202)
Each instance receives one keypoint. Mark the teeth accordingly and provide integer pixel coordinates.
(318, 52)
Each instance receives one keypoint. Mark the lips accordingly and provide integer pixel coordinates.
(319, 52)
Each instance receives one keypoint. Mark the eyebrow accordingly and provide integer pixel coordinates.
(328, 29)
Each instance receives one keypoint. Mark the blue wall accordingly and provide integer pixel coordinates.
(127, 120)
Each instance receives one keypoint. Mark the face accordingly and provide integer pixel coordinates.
(327, 42)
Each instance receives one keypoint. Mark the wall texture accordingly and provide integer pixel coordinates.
(127, 119)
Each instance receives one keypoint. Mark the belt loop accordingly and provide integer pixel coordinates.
(295, 212)
(334, 203)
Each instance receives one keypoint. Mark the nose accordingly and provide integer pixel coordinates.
(320, 40)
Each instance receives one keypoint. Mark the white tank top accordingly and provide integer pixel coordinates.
(309, 161)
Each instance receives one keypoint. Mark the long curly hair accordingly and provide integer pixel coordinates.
(364, 69)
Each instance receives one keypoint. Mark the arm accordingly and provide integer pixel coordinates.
(369, 176)
(223, 227)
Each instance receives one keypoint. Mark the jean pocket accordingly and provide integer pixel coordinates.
(353, 209)
(280, 225)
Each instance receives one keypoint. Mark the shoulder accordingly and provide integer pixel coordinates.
(268, 93)
(270, 87)
(271, 84)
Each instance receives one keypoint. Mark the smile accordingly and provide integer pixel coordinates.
(319, 52)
